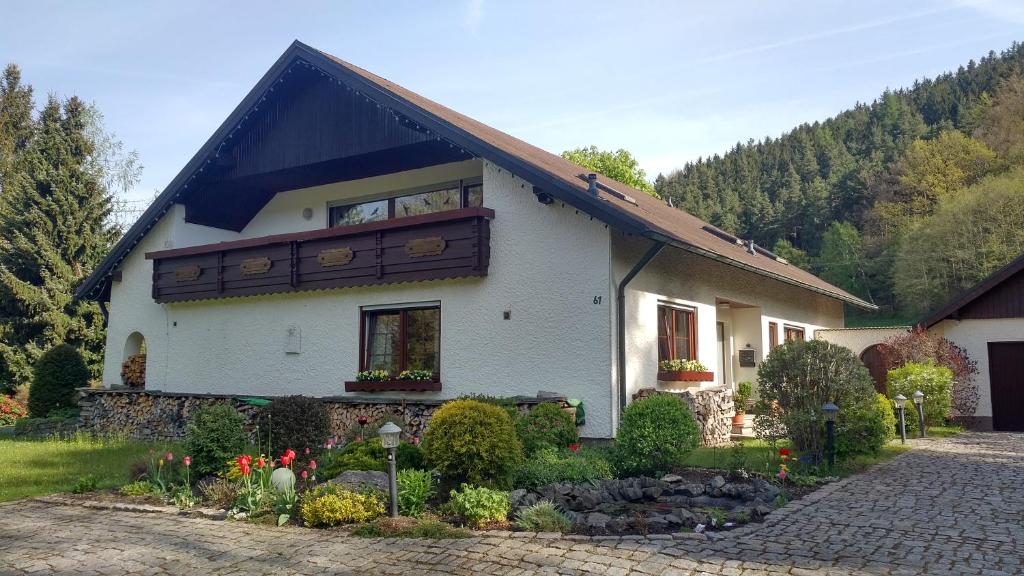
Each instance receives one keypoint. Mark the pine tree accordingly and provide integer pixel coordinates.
(15, 121)
(56, 232)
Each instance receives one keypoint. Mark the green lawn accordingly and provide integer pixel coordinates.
(39, 467)
(759, 457)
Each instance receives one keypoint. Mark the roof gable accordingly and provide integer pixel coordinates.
(622, 207)
(1001, 295)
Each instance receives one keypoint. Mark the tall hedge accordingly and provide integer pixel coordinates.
(296, 423)
(57, 373)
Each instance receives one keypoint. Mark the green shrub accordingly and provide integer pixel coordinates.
(741, 397)
(866, 432)
(504, 402)
(546, 425)
(221, 493)
(415, 487)
(56, 375)
(479, 505)
(937, 384)
(542, 517)
(84, 484)
(656, 434)
(328, 505)
(473, 441)
(368, 455)
(215, 436)
(551, 465)
(140, 488)
(800, 376)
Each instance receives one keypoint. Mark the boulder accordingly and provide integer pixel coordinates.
(357, 480)
(672, 478)
(690, 489)
(652, 492)
(744, 492)
(597, 520)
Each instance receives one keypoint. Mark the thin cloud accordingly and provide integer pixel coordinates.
(1005, 10)
(881, 23)
(473, 16)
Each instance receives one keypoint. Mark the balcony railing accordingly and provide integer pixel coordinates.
(453, 244)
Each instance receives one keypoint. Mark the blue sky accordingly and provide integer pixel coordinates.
(669, 81)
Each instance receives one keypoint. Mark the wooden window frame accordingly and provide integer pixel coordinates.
(403, 333)
(798, 329)
(692, 336)
(463, 184)
(773, 335)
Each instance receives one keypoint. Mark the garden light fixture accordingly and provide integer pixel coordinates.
(919, 401)
(389, 438)
(829, 409)
(900, 401)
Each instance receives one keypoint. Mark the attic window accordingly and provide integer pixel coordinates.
(425, 200)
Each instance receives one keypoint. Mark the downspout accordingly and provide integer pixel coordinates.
(620, 317)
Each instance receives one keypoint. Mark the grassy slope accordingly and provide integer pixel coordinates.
(38, 467)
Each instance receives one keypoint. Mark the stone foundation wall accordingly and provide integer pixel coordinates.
(712, 409)
(154, 415)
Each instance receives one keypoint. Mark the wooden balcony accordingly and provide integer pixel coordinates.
(454, 244)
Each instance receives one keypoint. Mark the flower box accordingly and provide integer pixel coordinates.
(687, 376)
(393, 386)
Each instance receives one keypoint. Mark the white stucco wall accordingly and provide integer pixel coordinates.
(973, 336)
(690, 280)
(548, 263)
(859, 339)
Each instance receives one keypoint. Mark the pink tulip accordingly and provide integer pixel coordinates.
(187, 460)
(169, 457)
(305, 474)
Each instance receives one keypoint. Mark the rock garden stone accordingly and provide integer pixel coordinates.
(357, 480)
(597, 520)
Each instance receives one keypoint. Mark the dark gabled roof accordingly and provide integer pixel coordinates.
(980, 289)
(618, 205)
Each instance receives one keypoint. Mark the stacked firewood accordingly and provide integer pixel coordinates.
(133, 371)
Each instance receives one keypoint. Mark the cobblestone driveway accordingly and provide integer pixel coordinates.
(948, 507)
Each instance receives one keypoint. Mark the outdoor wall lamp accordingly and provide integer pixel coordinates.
(900, 401)
(389, 437)
(919, 401)
(829, 409)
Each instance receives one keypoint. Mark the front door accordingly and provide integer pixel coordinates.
(1006, 383)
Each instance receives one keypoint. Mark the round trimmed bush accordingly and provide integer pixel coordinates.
(546, 425)
(474, 442)
(214, 437)
(56, 375)
(295, 422)
(798, 377)
(867, 432)
(656, 434)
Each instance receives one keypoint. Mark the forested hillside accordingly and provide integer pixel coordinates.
(904, 201)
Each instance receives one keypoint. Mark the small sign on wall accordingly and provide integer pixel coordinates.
(747, 358)
(293, 340)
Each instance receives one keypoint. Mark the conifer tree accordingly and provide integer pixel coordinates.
(55, 231)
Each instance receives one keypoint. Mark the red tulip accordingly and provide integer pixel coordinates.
(290, 454)
(244, 460)
(574, 447)
(312, 464)
(363, 420)
(285, 460)
(187, 460)
(783, 451)
(246, 470)
(261, 462)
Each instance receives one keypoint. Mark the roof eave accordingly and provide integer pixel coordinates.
(672, 241)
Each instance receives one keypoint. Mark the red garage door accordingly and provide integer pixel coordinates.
(1006, 377)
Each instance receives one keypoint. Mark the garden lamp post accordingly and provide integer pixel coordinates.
(900, 401)
(919, 402)
(829, 409)
(389, 436)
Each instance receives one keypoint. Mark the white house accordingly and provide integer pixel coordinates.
(337, 222)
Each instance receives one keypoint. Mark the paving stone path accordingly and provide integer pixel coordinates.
(948, 507)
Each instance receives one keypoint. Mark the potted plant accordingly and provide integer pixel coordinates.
(383, 381)
(684, 371)
(741, 399)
